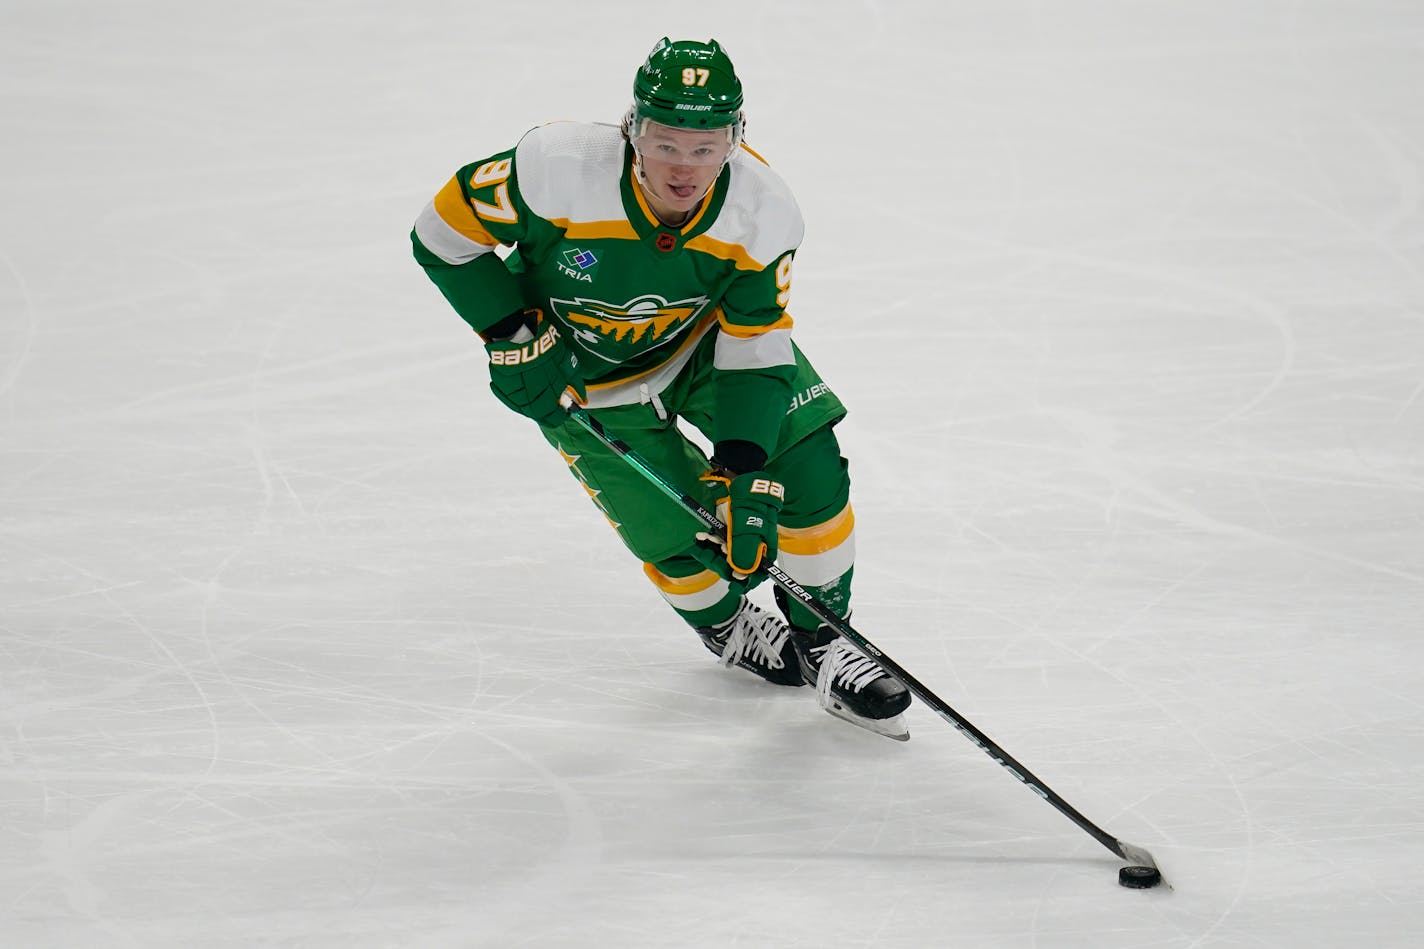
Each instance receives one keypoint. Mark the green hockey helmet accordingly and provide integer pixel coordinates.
(689, 85)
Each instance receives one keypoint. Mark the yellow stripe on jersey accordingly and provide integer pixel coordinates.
(723, 250)
(750, 332)
(701, 591)
(595, 230)
(642, 201)
(455, 211)
(819, 554)
(819, 538)
(701, 210)
(680, 586)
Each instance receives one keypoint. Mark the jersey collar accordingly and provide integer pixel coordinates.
(646, 224)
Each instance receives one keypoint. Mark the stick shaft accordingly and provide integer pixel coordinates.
(710, 521)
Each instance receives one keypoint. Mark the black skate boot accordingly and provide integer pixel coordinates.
(757, 641)
(851, 686)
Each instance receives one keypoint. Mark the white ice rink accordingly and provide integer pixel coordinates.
(307, 642)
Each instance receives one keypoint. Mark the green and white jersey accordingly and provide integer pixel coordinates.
(633, 296)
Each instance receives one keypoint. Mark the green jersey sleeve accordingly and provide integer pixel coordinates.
(455, 236)
(755, 361)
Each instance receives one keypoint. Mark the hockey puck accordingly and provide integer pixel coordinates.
(1139, 878)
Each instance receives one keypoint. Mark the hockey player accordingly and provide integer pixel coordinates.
(649, 279)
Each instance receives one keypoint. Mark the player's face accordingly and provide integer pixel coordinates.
(679, 165)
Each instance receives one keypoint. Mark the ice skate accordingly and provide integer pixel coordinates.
(850, 685)
(757, 641)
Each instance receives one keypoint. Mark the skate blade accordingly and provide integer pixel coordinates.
(893, 728)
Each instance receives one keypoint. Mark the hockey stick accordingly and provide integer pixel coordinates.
(1138, 857)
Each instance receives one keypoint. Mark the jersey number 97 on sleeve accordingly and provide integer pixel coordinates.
(492, 172)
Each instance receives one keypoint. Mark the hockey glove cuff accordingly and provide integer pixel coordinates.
(749, 510)
(530, 376)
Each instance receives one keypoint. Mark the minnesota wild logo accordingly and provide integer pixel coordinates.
(616, 333)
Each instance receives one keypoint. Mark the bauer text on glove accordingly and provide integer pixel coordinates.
(531, 375)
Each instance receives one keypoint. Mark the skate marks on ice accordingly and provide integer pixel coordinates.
(275, 670)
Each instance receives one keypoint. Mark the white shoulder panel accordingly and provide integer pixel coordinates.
(570, 171)
(760, 214)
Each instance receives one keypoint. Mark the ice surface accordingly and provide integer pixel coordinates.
(306, 642)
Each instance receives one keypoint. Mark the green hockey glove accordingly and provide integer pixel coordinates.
(532, 375)
(749, 510)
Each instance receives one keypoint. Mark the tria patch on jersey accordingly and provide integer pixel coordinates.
(578, 264)
(617, 332)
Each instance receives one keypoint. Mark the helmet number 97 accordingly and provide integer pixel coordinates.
(695, 77)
